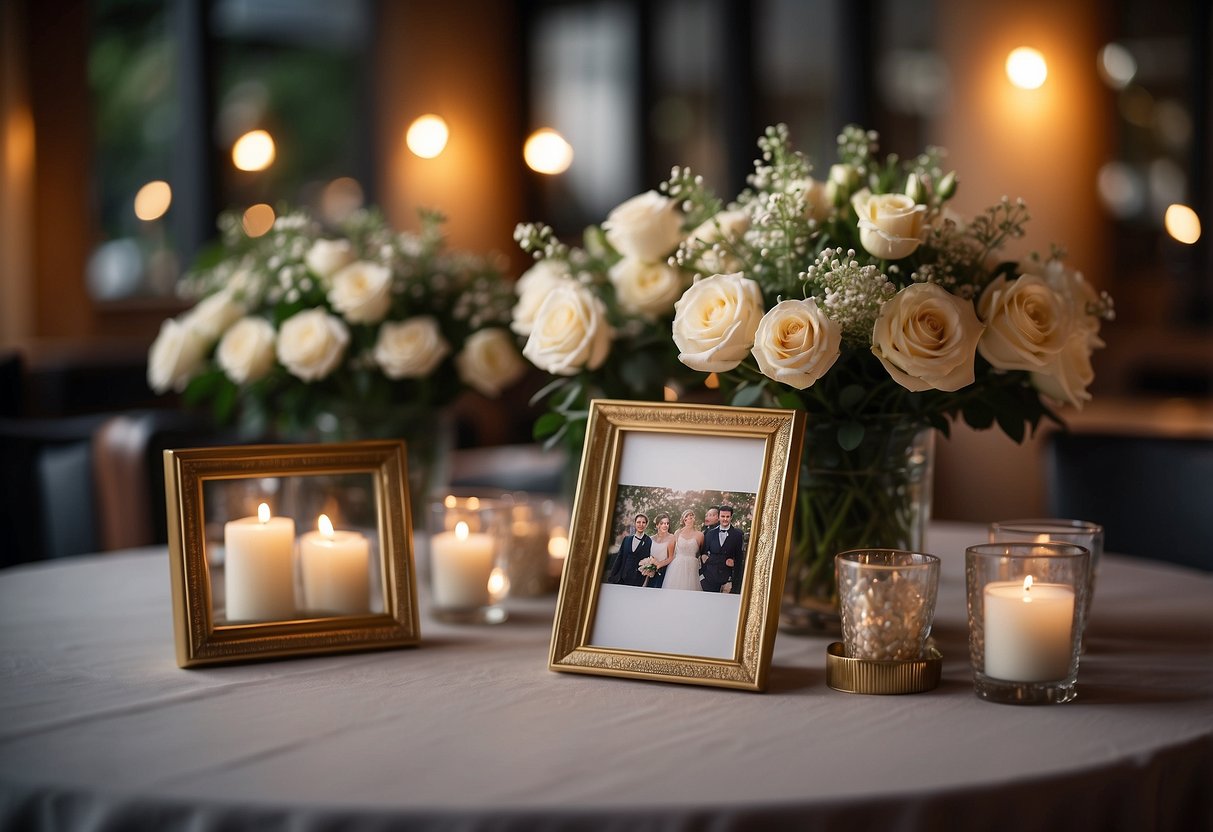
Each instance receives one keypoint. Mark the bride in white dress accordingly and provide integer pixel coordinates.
(661, 543)
(683, 571)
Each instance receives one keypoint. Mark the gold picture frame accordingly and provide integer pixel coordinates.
(678, 454)
(204, 489)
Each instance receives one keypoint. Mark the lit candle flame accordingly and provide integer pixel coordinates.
(263, 512)
(450, 501)
(461, 530)
(558, 546)
(1027, 589)
(325, 525)
(498, 582)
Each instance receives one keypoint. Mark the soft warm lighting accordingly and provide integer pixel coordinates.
(670, 394)
(1182, 223)
(427, 136)
(258, 219)
(263, 513)
(325, 525)
(253, 151)
(473, 503)
(546, 151)
(450, 501)
(558, 544)
(153, 200)
(1117, 66)
(1026, 68)
(499, 584)
(461, 530)
(340, 198)
(1027, 589)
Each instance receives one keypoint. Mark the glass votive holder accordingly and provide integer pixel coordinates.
(533, 522)
(1025, 604)
(887, 601)
(1079, 532)
(468, 538)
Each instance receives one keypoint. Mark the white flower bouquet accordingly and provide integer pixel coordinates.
(647, 567)
(304, 333)
(859, 298)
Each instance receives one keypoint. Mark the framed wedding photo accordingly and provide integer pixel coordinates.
(284, 550)
(679, 543)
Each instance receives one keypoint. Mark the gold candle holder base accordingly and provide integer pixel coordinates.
(882, 677)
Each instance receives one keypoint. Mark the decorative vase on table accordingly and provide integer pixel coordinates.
(314, 334)
(860, 299)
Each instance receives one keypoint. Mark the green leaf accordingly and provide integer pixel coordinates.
(547, 390)
(850, 435)
(548, 424)
(790, 400)
(1012, 425)
(850, 397)
(748, 395)
(978, 415)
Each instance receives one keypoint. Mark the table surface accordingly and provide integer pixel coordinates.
(98, 725)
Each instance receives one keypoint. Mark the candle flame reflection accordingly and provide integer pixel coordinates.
(263, 513)
(461, 530)
(325, 525)
(499, 584)
(1027, 589)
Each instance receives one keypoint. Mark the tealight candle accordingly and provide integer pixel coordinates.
(461, 563)
(336, 570)
(1028, 630)
(258, 573)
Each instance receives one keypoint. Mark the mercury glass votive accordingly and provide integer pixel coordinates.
(1025, 603)
(887, 601)
(1079, 532)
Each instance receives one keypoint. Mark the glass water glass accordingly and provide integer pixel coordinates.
(1025, 603)
(887, 601)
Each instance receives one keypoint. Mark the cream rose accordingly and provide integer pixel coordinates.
(890, 225)
(175, 357)
(214, 314)
(715, 321)
(411, 348)
(646, 227)
(361, 292)
(489, 362)
(927, 338)
(647, 289)
(1069, 372)
(1079, 295)
(1027, 323)
(532, 289)
(571, 332)
(726, 228)
(246, 351)
(796, 343)
(327, 257)
(311, 343)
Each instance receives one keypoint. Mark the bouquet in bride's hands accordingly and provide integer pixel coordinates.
(648, 567)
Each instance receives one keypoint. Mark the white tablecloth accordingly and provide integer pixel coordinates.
(100, 730)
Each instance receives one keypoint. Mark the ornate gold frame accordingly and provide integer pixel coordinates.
(200, 640)
(609, 421)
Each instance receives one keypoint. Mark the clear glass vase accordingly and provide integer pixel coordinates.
(877, 494)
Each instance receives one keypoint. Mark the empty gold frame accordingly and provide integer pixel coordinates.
(371, 475)
(675, 459)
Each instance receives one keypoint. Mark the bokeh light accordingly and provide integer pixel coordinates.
(258, 219)
(546, 151)
(1026, 68)
(153, 200)
(1182, 223)
(1117, 66)
(427, 136)
(254, 151)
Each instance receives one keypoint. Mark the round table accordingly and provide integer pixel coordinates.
(99, 729)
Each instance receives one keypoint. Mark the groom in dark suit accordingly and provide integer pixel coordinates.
(723, 550)
(632, 550)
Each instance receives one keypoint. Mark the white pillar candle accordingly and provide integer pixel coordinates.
(258, 572)
(1028, 630)
(336, 570)
(461, 563)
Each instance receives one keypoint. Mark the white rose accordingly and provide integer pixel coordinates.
(646, 227)
(213, 314)
(410, 349)
(311, 343)
(1027, 323)
(796, 343)
(246, 351)
(817, 200)
(726, 228)
(1069, 373)
(927, 338)
(489, 362)
(327, 257)
(571, 332)
(532, 289)
(175, 356)
(890, 225)
(361, 292)
(715, 321)
(647, 289)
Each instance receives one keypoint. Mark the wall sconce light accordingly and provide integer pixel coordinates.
(254, 151)
(427, 136)
(1026, 68)
(546, 151)
(1182, 223)
(153, 200)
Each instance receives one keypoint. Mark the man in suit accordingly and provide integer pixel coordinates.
(711, 519)
(723, 550)
(632, 550)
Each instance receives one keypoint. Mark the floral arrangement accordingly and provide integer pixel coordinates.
(860, 298)
(367, 332)
(647, 567)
